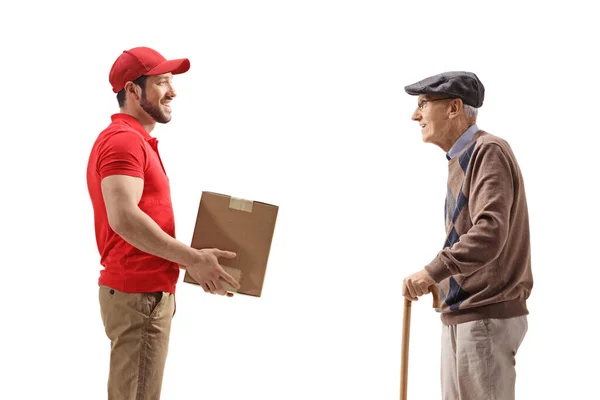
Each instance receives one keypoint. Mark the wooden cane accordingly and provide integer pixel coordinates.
(406, 337)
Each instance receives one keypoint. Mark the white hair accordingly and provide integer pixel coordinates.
(470, 111)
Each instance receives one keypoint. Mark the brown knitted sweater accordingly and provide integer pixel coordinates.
(484, 270)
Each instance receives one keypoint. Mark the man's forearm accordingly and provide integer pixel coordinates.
(139, 230)
(476, 249)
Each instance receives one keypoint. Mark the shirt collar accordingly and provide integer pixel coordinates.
(133, 123)
(462, 142)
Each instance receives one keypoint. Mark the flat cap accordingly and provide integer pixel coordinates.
(464, 85)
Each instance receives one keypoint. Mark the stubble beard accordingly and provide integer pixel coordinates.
(154, 110)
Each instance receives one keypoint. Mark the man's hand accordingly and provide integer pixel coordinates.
(417, 285)
(207, 271)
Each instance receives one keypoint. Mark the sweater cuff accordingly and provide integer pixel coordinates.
(438, 270)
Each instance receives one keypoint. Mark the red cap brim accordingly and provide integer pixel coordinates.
(175, 67)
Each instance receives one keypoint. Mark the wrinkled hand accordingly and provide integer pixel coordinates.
(417, 285)
(207, 271)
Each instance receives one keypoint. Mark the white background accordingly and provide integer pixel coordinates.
(299, 104)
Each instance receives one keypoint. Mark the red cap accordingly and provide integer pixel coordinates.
(139, 61)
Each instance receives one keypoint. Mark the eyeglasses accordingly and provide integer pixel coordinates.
(422, 102)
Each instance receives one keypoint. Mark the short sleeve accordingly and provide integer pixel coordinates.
(123, 153)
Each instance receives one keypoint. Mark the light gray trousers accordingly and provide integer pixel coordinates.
(478, 359)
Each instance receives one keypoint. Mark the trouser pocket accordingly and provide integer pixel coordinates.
(147, 304)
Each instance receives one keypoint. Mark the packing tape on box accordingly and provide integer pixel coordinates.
(235, 273)
(241, 204)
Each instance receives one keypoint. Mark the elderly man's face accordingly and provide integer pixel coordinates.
(433, 115)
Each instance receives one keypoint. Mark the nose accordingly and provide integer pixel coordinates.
(416, 115)
(172, 91)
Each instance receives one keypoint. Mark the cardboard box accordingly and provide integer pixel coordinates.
(243, 226)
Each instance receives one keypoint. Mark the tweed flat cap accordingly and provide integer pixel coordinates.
(464, 85)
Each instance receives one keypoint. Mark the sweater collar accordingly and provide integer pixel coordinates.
(462, 142)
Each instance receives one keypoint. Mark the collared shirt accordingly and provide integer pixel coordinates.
(462, 142)
(125, 148)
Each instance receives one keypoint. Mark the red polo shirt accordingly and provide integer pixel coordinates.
(125, 147)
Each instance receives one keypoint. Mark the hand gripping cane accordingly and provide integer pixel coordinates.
(405, 338)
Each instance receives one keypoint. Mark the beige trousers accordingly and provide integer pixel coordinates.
(138, 326)
(478, 359)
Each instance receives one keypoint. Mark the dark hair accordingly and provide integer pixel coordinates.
(141, 82)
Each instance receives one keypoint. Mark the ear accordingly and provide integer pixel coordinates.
(132, 90)
(456, 106)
